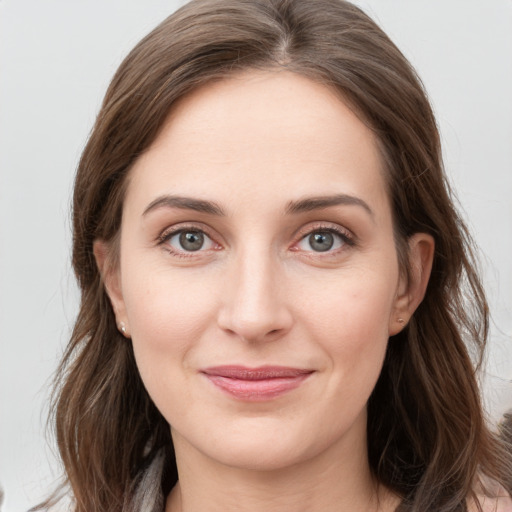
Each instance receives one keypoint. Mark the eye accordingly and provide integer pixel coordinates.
(189, 240)
(322, 241)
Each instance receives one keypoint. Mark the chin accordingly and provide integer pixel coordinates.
(260, 456)
(267, 445)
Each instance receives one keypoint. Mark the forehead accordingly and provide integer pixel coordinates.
(272, 133)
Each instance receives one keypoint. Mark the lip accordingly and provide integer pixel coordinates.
(256, 384)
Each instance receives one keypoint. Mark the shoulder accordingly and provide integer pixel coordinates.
(489, 496)
(500, 502)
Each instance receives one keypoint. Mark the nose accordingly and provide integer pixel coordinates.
(254, 306)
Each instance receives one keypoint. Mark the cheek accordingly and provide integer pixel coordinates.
(351, 297)
(167, 314)
(350, 317)
(163, 302)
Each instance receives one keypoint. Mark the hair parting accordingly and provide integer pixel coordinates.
(427, 437)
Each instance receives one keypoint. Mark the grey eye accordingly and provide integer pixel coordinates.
(191, 240)
(321, 241)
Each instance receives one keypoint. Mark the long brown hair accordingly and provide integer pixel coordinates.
(427, 438)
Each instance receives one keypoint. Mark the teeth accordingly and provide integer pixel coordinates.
(255, 377)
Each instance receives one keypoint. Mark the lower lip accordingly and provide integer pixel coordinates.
(257, 390)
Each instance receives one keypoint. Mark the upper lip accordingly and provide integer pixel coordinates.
(259, 373)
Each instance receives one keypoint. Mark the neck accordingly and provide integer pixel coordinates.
(336, 480)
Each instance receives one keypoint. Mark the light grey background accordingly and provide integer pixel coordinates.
(56, 59)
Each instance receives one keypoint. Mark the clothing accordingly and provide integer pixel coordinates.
(149, 497)
(148, 494)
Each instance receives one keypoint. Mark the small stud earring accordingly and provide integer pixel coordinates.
(122, 327)
(401, 321)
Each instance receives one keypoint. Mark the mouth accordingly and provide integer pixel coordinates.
(256, 384)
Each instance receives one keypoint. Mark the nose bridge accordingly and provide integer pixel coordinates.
(254, 307)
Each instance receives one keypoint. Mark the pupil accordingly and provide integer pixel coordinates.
(321, 241)
(191, 240)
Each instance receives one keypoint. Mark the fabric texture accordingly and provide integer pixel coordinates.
(148, 494)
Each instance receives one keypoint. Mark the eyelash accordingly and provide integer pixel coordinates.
(344, 235)
(168, 234)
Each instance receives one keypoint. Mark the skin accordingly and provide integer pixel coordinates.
(259, 293)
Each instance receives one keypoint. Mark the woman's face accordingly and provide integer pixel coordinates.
(258, 276)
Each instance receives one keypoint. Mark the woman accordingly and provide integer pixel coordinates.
(274, 279)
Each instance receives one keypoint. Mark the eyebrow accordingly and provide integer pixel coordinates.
(300, 206)
(185, 203)
(317, 203)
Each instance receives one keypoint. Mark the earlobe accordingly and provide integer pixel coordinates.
(111, 280)
(412, 289)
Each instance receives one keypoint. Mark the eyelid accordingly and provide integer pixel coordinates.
(175, 229)
(345, 234)
(182, 226)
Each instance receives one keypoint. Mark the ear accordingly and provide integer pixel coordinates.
(112, 282)
(411, 290)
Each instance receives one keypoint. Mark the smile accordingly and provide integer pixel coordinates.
(256, 384)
